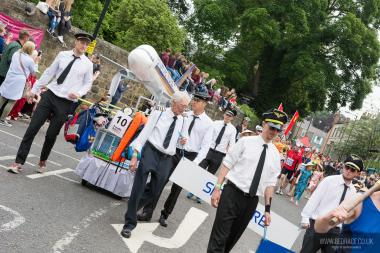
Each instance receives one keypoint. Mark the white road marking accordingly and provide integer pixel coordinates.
(67, 179)
(144, 232)
(4, 167)
(49, 173)
(31, 164)
(17, 221)
(8, 157)
(54, 163)
(66, 240)
(57, 152)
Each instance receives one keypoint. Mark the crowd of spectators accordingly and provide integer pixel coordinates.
(196, 80)
(59, 13)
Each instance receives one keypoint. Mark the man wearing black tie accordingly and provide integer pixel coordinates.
(157, 145)
(223, 138)
(328, 195)
(198, 132)
(251, 168)
(68, 78)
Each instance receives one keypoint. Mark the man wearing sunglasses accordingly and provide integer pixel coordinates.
(251, 168)
(328, 196)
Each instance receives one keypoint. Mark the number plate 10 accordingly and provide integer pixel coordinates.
(119, 124)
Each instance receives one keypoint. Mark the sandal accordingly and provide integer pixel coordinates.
(15, 168)
(41, 167)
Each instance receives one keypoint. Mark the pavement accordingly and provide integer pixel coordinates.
(53, 212)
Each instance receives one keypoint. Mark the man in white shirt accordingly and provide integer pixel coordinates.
(157, 145)
(251, 168)
(68, 78)
(328, 195)
(223, 139)
(199, 131)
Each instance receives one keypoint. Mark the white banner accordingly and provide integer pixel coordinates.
(201, 183)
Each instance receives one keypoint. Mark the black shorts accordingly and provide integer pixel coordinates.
(288, 173)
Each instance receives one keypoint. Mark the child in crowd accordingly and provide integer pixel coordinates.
(315, 179)
(302, 180)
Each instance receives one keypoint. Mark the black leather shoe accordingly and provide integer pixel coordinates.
(144, 217)
(126, 233)
(163, 221)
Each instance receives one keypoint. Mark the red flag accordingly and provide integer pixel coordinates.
(280, 107)
(291, 123)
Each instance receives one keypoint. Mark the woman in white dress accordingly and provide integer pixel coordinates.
(13, 86)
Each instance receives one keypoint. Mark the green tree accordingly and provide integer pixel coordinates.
(362, 137)
(130, 23)
(309, 55)
(147, 22)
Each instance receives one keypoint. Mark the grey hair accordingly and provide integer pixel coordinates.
(180, 95)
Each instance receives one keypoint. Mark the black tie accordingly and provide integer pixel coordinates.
(344, 193)
(219, 138)
(169, 134)
(192, 124)
(66, 71)
(259, 170)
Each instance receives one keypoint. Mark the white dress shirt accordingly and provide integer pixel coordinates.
(242, 162)
(155, 131)
(79, 79)
(200, 137)
(326, 198)
(228, 139)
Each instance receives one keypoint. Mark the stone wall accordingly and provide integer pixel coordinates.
(51, 47)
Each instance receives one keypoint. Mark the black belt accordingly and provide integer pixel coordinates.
(186, 153)
(218, 152)
(160, 153)
(238, 189)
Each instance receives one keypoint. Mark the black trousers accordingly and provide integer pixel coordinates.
(158, 165)
(312, 241)
(49, 104)
(175, 191)
(2, 78)
(212, 161)
(235, 211)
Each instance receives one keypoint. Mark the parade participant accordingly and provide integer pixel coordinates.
(157, 145)
(251, 168)
(68, 78)
(243, 126)
(301, 181)
(292, 161)
(223, 138)
(12, 48)
(358, 224)
(328, 195)
(199, 134)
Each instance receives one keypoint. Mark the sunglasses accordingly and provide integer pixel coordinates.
(350, 169)
(275, 129)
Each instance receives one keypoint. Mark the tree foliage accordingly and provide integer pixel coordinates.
(130, 23)
(362, 137)
(309, 55)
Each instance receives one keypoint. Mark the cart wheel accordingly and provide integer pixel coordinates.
(84, 182)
